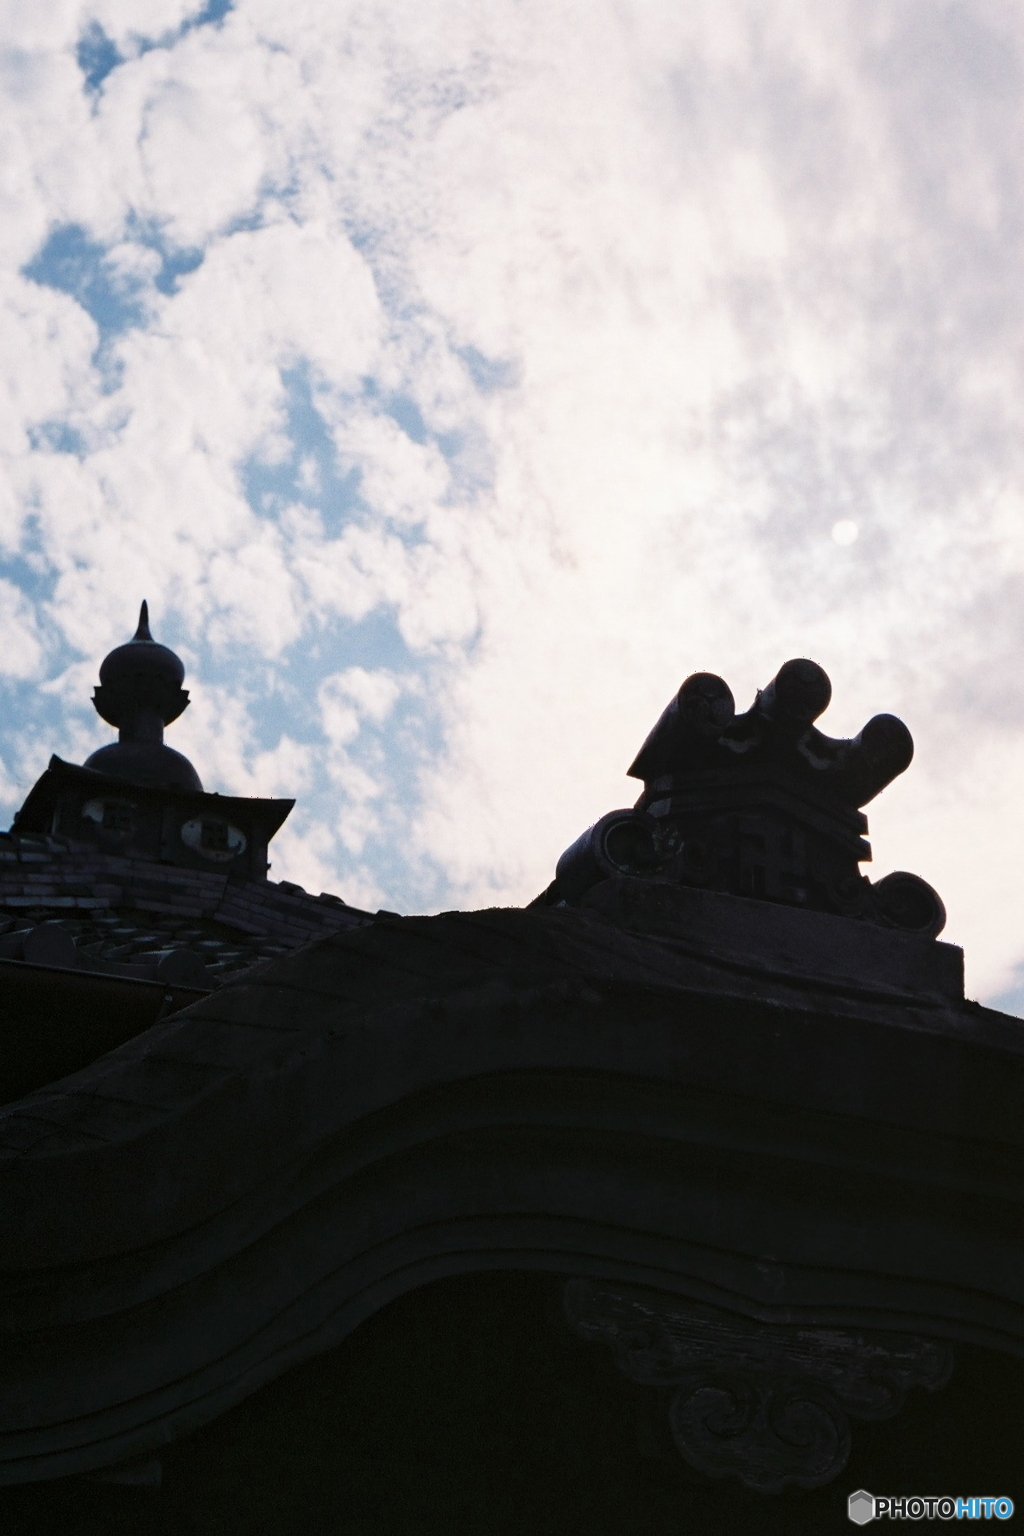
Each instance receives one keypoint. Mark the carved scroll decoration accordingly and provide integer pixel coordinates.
(765, 1403)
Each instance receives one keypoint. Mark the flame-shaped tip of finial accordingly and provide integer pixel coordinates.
(142, 633)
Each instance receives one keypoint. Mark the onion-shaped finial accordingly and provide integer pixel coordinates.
(140, 692)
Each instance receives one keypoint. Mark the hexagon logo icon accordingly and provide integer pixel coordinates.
(861, 1507)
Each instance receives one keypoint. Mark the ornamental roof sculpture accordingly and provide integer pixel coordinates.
(760, 804)
(140, 692)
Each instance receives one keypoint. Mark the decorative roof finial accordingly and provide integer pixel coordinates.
(140, 692)
(142, 633)
(761, 805)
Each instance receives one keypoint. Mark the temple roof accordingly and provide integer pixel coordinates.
(715, 1063)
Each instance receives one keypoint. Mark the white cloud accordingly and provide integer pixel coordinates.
(353, 695)
(21, 655)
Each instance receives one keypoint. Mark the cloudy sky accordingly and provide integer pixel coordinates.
(455, 376)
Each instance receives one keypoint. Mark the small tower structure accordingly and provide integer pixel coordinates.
(137, 795)
(127, 890)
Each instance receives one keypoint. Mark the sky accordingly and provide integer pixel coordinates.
(454, 377)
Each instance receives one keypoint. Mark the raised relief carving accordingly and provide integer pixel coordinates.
(768, 1404)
